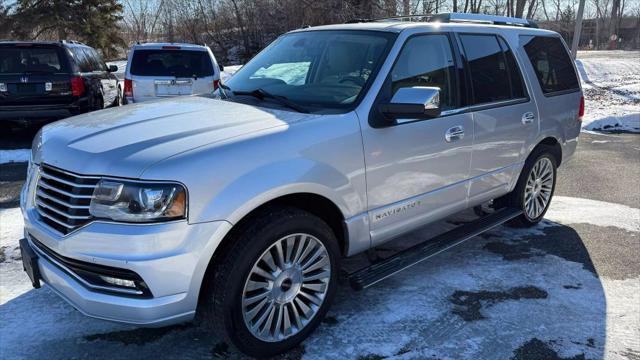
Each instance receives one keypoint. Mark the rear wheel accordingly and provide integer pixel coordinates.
(534, 189)
(274, 284)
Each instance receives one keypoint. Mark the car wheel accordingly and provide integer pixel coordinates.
(535, 188)
(118, 101)
(99, 103)
(274, 284)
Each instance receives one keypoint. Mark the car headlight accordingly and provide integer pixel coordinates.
(36, 146)
(129, 201)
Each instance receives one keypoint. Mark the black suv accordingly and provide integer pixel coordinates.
(46, 81)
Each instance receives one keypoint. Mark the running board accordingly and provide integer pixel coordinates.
(365, 277)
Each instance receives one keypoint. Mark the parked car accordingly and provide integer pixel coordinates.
(156, 70)
(45, 81)
(332, 141)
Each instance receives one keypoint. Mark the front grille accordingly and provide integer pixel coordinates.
(63, 198)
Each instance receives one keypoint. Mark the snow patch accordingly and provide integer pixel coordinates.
(10, 156)
(570, 210)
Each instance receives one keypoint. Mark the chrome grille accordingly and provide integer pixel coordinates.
(63, 198)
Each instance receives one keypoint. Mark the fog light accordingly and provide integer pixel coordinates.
(118, 282)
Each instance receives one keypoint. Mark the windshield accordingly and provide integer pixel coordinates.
(315, 69)
(19, 60)
(179, 63)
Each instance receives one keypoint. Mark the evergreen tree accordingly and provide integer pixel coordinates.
(94, 22)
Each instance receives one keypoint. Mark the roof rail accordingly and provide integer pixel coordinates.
(482, 19)
(71, 42)
(456, 17)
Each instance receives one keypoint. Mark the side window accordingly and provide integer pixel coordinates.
(91, 57)
(488, 66)
(551, 63)
(515, 75)
(427, 60)
(99, 63)
(81, 59)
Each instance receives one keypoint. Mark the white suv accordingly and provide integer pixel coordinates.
(167, 69)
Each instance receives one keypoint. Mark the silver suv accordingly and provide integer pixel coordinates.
(157, 70)
(332, 141)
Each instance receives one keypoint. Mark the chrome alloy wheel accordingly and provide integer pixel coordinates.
(537, 192)
(286, 287)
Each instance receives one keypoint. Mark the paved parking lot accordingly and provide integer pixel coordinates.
(568, 289)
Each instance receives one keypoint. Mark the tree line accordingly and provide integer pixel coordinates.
(237, 29)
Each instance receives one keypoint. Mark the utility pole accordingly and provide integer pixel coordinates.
(577, 30)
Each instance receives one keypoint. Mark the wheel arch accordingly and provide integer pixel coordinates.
(553, 145)
(313, 203)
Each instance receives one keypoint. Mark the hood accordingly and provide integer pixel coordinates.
(125, 141)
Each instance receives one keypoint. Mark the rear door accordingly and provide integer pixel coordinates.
(504, 115)
(171, 71)
(34, 74)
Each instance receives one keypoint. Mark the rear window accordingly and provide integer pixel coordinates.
(31, 60)
(179, 63)
(551, 63)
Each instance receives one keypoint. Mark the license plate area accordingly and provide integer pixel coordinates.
(173, 87)
(26, 88)
(30, 263)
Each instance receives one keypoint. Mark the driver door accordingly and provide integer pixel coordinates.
(416, 173)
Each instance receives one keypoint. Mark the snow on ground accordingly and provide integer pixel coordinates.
(611, 83)
(19, 155)
(506, 290)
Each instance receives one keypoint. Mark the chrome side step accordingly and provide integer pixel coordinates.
(368, 276)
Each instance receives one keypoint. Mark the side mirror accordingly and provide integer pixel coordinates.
(221, 67)
(113, 68)
(418, 102)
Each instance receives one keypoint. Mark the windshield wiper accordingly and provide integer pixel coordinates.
(262, 94)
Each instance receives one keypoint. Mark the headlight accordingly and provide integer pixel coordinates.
(138, 202)
(36, 145)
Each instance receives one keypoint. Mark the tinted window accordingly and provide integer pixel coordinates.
(181, 63)
(488, 66)
(551, 63)
(320, 70)
(31, 59)
(515, 76)
(96, 60)
(426, 60)
(82, 60)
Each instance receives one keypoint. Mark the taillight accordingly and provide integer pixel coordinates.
(128, 88)
(216, 84)
(167, 47)
(581, 109)
(77, 86)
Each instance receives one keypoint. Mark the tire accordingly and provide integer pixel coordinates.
(99, 103)
(118, 100)
(230, 307)
(540, 163)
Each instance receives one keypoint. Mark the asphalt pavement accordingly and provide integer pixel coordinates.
(567, 289)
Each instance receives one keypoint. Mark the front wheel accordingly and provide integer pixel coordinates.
(534, 189)
(274, 284)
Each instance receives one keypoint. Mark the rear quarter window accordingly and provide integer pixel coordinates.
(551, 63)
(179, 63)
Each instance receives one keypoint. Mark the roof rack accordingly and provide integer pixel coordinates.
(71, 42)
(456, 18)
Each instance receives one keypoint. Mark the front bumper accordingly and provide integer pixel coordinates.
(171, 258)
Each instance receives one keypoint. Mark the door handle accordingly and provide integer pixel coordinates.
(528, 118)
(454, 134)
